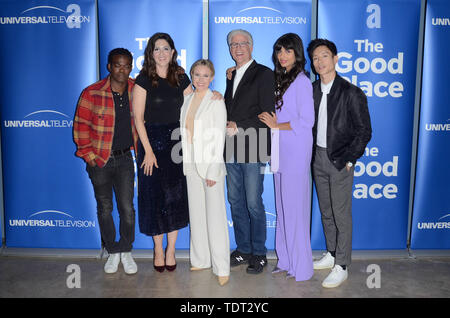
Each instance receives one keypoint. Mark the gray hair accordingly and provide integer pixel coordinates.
(242, 32)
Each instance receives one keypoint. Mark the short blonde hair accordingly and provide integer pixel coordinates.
(203, 62)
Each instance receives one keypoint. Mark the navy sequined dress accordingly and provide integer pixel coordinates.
(162, 197)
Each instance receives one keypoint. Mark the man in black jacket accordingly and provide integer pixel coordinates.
(341, 132)
(249, 92)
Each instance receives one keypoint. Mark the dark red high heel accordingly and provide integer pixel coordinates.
(170, 268)
(158, 268)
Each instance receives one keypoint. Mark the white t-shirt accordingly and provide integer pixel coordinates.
(322, 117)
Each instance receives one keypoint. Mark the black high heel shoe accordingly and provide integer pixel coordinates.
(170, 268)
(158, 268)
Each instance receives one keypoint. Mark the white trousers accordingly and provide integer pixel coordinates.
(209, 244)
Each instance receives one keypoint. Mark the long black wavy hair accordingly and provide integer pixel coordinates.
(149, 66)
(283, 78)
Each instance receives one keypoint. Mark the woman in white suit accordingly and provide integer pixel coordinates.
(203, 127)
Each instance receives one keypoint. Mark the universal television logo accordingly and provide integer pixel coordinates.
(28, 122)
(440, 224)
(73, 20)
(259, 19)
(32, 221)
(438, 126)
(440, 21)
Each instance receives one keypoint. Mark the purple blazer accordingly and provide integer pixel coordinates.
(292, 149)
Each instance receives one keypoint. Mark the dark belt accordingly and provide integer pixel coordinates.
(116, 153)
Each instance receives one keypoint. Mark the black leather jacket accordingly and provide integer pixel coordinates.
(348, 121)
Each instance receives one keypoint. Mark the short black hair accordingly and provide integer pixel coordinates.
(314, 44)
(119, 51)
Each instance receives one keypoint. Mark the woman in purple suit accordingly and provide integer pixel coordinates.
(291, 157)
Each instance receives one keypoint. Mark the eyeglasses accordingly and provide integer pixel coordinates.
(234, 45)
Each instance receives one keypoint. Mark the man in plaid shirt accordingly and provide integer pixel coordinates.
(104, 133)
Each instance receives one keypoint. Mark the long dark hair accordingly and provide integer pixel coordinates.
(288, 41)
(149, 66)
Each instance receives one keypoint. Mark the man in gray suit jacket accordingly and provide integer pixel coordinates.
(249, 92)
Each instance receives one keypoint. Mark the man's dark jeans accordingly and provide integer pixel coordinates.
(245, 186)
(118, 176)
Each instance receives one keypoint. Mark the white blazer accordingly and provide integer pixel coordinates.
(208, 139)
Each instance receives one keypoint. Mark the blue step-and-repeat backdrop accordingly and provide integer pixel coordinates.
(51, 50)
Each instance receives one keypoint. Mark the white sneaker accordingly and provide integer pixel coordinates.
(336, 277)
(325, 262)
(129, 266)
(112, 263)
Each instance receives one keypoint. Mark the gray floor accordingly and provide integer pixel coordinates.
(40, 273)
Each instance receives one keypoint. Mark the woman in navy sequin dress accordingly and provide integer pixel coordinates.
(162, 192)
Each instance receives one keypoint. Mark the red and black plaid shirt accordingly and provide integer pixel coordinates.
(93, 127)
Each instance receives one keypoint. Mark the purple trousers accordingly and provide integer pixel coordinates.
(292, 237)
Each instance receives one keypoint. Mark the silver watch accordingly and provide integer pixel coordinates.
(349, 164)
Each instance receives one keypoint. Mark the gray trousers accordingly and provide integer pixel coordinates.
(334, 192)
